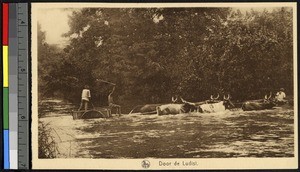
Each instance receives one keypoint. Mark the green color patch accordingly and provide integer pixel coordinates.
(5, 109)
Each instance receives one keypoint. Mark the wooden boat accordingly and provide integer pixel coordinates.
(92, 113)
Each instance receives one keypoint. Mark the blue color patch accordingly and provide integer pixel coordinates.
(6, 149)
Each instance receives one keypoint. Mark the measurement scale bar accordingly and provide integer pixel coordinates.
(13, 86)
(23, 88)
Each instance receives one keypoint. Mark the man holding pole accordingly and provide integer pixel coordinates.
(111, 102)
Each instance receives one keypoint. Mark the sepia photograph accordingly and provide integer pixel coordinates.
(164, 86)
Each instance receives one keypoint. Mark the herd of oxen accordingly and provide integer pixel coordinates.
(179, 105)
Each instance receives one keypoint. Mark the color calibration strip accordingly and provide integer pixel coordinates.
(15, 86)
(5, 30)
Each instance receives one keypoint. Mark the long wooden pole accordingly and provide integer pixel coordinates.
(106, 81)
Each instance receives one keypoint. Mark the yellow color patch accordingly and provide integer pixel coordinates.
(5, 66)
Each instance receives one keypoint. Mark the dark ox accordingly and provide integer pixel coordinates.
(174, 109)
(267, 103)
(149, 108)
(216, 107)
(145, 109)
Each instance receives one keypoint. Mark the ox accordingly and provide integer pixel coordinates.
(211, 100)
(175, 108)
(267, 103)
(151, 108)
(145, 109)
(216, 107)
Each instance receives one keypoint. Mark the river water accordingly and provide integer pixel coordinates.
(266, 133)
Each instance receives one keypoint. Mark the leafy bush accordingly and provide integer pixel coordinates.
(46, 143)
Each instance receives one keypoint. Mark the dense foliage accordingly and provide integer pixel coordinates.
(155, 53)
(47, 145)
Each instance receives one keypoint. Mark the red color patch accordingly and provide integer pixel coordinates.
(5, 23)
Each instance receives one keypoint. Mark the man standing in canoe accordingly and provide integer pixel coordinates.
(85, 98)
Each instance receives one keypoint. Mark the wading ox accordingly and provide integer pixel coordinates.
(145, 109)
(216, 107)
(149, 109)
(175, 108)
(267, 103)
(211, 100)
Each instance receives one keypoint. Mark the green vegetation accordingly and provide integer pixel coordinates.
(153, 54)
(47, 144)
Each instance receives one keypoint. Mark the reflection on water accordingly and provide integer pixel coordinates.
(267, 133)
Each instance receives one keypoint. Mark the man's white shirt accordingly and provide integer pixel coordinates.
(86, 94)
(280, 96)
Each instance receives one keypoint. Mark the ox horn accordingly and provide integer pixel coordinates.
(266, 97)
(217, 97)
(228, 96)
(270, 95)
(183, 100)
(211, 97)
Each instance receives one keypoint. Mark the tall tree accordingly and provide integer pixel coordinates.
(155, 53)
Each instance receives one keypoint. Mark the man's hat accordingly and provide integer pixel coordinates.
(281, 89)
